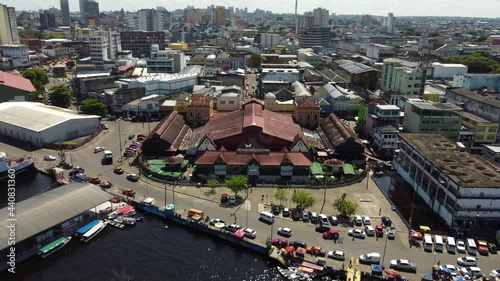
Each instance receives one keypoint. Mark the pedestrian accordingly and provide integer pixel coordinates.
(439, 263)
(343, 266)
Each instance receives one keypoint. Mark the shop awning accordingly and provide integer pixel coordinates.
(316, 169)
(348, 169)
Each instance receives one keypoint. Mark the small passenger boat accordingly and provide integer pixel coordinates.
(53, 247)
(93, 231)
(115, 224)
(86, 228)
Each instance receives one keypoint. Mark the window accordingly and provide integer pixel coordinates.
(222, 102)
(231, 102)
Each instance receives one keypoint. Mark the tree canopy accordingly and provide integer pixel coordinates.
(346, 208)
(60, 96)
(479, 62)
(212, 183)
(38, 78)
(70, 64)
(281, 195)
(237, 184)
(256, 60)
(303, 199)
(93, 107)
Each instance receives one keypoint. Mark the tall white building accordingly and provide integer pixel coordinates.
(320, 17)
(115, 44)
(18, 53)
(9, 33)
(99, 45)
(268, 40)
(390, 23)
(165, 61)
(153, 20)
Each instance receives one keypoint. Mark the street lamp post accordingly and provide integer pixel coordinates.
(367, 174)
(165, 188)
(147, 186)
(120, 139)
(246, 207)
(385, 248)
(173, 194)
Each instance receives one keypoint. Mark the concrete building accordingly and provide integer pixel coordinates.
(41, 124)
(51, 215)
(115, 44)
(305, 22)
(313, 37)
(139, 42)
(13, 87)
(165, 61)
(230, 99)
(192, 16)
(307, 113)
(89, 12)
(66, 19)
(447, 70)
(309, 57)
(477, 131)
(344, 102)
(379, 52)
(461, 189)
(18, 53)
(366, 20)
(153, 19)
(47, 20)
(275, 78)
(9, 33)
(402, 77)
(268, 40)
(199, 110)
(434, 118)
(492, 153)
(99, 46)
(360, 74)
(320, 17)
(219, 16)
(55, 51)
(381, 115)
(390, 23)
(385, 140)
(473, 82)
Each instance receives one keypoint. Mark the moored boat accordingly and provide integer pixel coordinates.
(125, 220)
(125, 211)
(53, 247)
(17, 166)
(115, 224)
(86, 228)
(93, 231)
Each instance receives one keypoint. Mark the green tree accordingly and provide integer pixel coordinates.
(60, 96)
(433, 34)
(481, 38)
(70, 64)
(55, 36)
(303, 199)
(93, 107)
(213, 184)
(479, 62)
(256, 60)
(281, 195)
(237, 184)
(38, 78)
(346, 208)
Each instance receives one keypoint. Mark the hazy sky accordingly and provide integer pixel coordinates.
(477, 8)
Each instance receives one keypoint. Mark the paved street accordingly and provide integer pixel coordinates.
(366, 194)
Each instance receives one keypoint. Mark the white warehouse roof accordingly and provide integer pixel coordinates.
(36, 116)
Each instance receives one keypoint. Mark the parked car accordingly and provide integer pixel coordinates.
(492, 247)
(450, 268)
(224, 198)
(471, 272)
(467, 261)
(232, 200)
(331, 234)
(118, 171)
(105, 127)
(128, 192)
(322, 228)
(379, 231)
(285, 231)
(323, 219)
(313, 217)
(386, 221)
(49, 158)
(133, 177)
(280, 242)
(358, 221)
(391, 233)
(232, 228)
(99, 149)
(336, 255)
(296, 215)
(95, 180)
(482, 247)
(214, 221)
(297, 244)
(286, 212)
(461, 246)
(305, 216)
(369, 230)
(367, 220)
(276, 209)
(128, 154)
(370, 258)
(105, 184)
(316, 251)
(357, 233)
(77, 170)
(250, 233)
(333, 220)
(403, 265)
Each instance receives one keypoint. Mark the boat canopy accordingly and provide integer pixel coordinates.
(52, 245)
(125, 210)
(87, 227)
(312, 266)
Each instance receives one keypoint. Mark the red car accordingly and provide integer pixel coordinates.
(224, 198)
(95, 180)
(118, 171)
(331, 234)
(379, 231)
(128, 192)
(280, 242)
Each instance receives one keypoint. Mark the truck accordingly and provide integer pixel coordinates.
(403, 265)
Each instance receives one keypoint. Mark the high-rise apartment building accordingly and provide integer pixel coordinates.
(390, 23)
(98, 45)
(403, 77)
(139, 42)
(313, 37)
(192, 16)
(47, 20)
(89, 12)
(66, 20)
(305, 21)
(115, 44)
(366, 20)
(320, 17)
(9, 33)
(219, 16)
(153, 20)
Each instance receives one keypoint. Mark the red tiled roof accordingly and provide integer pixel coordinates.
(125, 67)
(307, 103)
(333, 132)
(17, 82)
(199, 99)
(264, 159)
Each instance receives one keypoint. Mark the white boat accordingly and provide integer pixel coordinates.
(125, 220)
(115, 224)
(18, 165)
(93, 231)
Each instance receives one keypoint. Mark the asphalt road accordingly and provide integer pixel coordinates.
(395, 249)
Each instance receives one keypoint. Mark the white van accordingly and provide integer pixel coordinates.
(438, 243)
(451, 246)
(107, 157)
(471, 246)
(371, 258)
(428, 242)
(267, 217)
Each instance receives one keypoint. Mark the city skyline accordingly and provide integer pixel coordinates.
(461, 8)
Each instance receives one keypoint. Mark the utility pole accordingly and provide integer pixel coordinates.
(367, 174)
(120, 138)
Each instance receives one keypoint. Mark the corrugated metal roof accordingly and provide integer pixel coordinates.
(37, 116)
(51, 208)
